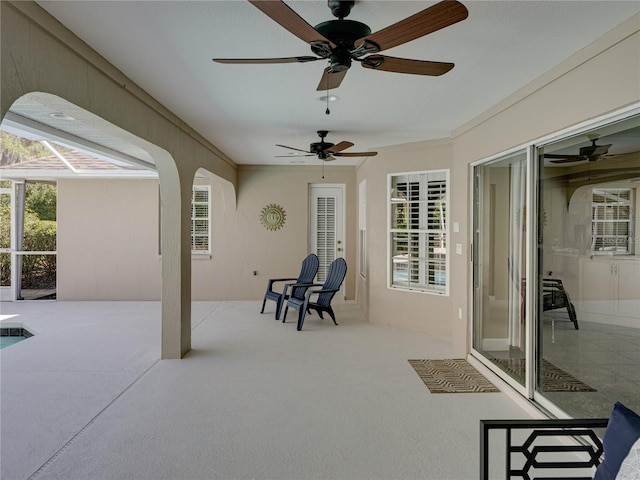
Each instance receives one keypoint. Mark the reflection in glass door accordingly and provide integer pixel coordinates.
(588, 325)
(499, 263)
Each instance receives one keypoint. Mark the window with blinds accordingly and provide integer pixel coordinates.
(200, 219)
(611, 221)
(418, 230)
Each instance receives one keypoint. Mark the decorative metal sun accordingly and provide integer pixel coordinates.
(272, 217)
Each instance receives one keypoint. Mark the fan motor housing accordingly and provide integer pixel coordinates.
(319, 147)
(343, 33)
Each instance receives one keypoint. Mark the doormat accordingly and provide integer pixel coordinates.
(554, 379)
(451, 376)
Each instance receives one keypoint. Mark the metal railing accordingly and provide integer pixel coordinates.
(547, 445)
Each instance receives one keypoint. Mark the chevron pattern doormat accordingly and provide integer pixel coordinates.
(451, 376)
(554, 379)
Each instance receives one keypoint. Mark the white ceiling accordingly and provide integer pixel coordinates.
(166, 47)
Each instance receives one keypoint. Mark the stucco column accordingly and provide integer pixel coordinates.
(175, 208)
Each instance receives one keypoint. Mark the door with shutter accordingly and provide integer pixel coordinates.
(326, 218)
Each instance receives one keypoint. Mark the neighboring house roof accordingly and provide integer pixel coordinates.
(78, 160)
(75, 164)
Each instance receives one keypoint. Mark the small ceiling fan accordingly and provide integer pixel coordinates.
(327, 151)
(343, 41)
(591, 152)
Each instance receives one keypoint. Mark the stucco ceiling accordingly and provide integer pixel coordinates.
(166, 47)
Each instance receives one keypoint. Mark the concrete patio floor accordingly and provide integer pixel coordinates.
(87, 397)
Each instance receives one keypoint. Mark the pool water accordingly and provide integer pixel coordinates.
(13, 335)
(5, 341)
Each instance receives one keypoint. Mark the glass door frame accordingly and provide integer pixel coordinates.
(525, 390)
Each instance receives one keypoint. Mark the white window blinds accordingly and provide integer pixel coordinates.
(418, 230)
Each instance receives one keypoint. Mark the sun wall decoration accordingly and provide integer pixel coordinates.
(272, 217)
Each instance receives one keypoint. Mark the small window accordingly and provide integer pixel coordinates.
(418, 230)
(200, 220)
(612, 221)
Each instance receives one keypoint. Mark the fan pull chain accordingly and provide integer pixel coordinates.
(327, 111)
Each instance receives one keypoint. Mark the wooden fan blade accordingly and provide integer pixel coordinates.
(338, 147)
(559, 158)
(330, 80)
(294, 156)
(405, 65)
(356, 154)
(282, 14)
(302, 59)
(292, 148)
(427, 21)
(600, 150)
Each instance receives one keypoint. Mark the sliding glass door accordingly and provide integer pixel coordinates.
(556, 297)
(589, 270)
(499, 253)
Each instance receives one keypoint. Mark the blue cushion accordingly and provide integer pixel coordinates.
(622, 431)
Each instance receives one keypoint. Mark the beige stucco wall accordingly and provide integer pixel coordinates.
(419, 312)
(108, 235)
(108, 240)
(241, 245)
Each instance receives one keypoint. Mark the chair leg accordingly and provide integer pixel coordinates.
(263, 302)
(303, 311)
(284, 317)
(572, 315)
(301, 314)
(333, 317)
(279, 308)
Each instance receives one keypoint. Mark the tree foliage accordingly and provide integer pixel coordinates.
(16, 149)
(38, 271)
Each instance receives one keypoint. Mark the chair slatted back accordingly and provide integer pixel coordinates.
(335, 277)
(307, 274)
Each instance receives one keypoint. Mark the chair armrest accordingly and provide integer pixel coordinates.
(312, 292)
(271, 281)
(308, 285)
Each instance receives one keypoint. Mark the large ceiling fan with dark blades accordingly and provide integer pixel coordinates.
(327, 151)
(341, 41)
(591, 152)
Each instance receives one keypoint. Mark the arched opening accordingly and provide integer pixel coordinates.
(97, 164)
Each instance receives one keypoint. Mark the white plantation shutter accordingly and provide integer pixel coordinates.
(611, 220)
(200, 219)
(418, 247)
(325, 234)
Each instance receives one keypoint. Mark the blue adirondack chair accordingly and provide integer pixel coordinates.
(303, 304)
(307, 275)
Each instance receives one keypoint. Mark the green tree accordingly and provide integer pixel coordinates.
(41, 200)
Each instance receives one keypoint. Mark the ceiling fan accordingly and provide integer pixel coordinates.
(327, 151)
(591, 152)
(343, 41)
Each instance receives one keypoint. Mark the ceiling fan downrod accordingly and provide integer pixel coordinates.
(340, 8)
